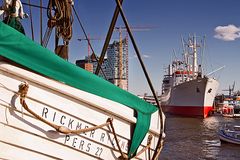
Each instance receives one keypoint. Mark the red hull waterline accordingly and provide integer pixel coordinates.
(190, 111)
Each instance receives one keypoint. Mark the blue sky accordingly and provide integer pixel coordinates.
(218, 20)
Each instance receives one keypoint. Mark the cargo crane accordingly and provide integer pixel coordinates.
(230, 89)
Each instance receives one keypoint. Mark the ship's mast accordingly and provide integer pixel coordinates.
(185, 55)
(194, 56)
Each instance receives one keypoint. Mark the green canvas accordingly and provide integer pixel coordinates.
(20, 49)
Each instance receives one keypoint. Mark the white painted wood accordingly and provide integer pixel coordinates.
(25, 121)
(8, 152)
(74, 111)
(60, 104)
(100, 102)
(32, 142)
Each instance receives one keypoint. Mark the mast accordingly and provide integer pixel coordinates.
(185, 61)
(195, 70)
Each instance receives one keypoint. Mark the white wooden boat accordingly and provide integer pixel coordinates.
(51, 109)
(230, 134)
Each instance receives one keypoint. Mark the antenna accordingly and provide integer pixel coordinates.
(203, 49)
(174, 54)
(215, 70)
(183, 45)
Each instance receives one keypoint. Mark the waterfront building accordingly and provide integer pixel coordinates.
(85, 64)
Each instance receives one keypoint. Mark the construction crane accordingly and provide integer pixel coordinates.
(88, 65)
(120, 59)
(88, 39)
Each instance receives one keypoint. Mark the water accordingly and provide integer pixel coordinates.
(197, 139)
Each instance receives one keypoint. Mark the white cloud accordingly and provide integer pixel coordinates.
(146, 56)
(227, 33)
(143, 56)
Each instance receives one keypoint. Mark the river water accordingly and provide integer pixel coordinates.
(197, 139)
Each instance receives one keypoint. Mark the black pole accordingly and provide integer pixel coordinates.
(137, 52)
(85, 34)
(159, 143)
(107, 40)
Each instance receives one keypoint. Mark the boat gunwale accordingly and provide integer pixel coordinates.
(4, 66)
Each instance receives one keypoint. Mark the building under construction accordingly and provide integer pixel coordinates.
(117, 55)
(115, 65)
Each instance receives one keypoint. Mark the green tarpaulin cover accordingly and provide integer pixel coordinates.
(20, 49)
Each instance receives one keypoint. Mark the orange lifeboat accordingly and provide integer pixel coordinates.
(183, 72)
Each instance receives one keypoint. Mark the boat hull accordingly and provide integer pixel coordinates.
(227, 138)
(192, 98)
(24, 136)
(202, 111)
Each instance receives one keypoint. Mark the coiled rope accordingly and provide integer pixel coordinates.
(60, 16)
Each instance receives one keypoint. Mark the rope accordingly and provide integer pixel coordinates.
(123, 156)
(62, 16)
(159, 149)
(23, 90)
(149, 142)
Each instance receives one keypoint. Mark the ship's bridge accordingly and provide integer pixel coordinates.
(182, 76)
